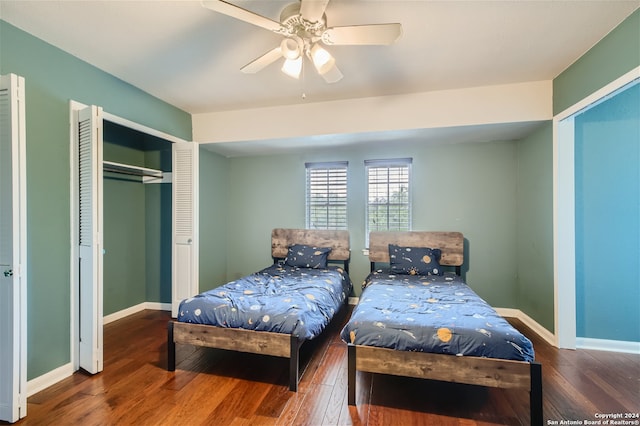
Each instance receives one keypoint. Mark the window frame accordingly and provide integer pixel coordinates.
(331, 207)
(388, 164)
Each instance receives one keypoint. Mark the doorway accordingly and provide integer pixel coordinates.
(87, 223)
(569, 232)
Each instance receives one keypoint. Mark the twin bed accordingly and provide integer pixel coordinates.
(275, 310)
(416, 317)
(416, 320)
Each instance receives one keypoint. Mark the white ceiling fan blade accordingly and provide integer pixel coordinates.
(242, 14)
(312, 10)
(262, 62)
(381, 34)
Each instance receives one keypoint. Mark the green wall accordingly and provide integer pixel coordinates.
(215, 186)
(124, 237)
(53, 78)
(614, 56)
(535, 291)
(456, 187)
(158, 223)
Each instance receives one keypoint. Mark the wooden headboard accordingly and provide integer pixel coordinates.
(451, 244)
(281, 239)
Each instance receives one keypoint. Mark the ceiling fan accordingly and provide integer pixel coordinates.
(304, 27)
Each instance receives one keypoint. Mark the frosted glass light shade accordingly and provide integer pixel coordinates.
(292, 67)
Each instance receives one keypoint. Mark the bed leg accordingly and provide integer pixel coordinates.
(294, 356)
(171, 348)
(535, 395)
(351, 374)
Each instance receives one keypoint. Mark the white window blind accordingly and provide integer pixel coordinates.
(326, 195)
(388, 195)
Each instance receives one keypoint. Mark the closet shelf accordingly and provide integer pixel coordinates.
(148, 175)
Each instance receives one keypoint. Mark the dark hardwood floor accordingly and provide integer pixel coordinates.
(214, 387)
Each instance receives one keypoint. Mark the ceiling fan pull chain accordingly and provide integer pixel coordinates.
(302, 82)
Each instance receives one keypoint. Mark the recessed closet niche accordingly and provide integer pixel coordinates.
(137, 212)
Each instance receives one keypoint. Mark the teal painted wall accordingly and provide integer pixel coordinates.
(461, 187)
(124, 217)
(214, 211)
(607, 148)
(54, 77)
(158, 223)
(535, 291)
(614, 56)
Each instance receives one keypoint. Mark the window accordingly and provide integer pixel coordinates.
(326, 198)
(388, 196)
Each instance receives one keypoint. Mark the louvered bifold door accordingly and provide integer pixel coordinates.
(184, 279)
(13, 252)
(90, 248)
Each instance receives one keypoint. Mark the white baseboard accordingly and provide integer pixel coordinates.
(608, 345)
(354, 300)
(52, 377)
(545, 334)
(157, 306)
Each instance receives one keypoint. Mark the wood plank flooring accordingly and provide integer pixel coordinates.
(214, 387)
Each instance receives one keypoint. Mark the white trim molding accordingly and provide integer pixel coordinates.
(529, 322)
(156, 306)
(49, 379)
(608, 345)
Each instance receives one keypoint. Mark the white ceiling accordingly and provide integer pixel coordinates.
(190, 56)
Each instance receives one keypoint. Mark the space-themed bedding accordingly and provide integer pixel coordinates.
(432, 313)
(280, 299)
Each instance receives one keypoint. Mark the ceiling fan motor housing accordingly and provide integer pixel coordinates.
(296, 25)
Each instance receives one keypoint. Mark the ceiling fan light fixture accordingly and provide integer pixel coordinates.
(325, 64)
(292, 67)
(303, 24)
(291, 48)
(332, 74)
(320, 57)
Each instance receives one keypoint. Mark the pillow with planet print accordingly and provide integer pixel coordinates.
(304, 256)
(414, 260)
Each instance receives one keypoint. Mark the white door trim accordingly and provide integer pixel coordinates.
(13, 403)
(564, 209)
(75, 106)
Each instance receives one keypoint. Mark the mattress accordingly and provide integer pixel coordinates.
(432, 313)
(279, 299)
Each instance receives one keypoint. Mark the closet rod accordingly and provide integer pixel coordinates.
(110, 166)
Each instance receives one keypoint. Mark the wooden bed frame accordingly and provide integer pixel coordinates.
(488, 372)
(262, 342)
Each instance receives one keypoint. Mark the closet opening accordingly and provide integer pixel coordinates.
(134, 224)
(137, 218)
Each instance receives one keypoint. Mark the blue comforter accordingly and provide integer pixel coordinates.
(279, 299)
(437, 314)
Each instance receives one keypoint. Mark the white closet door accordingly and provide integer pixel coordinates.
(90, 245)
(184, 279)
(13, 251)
